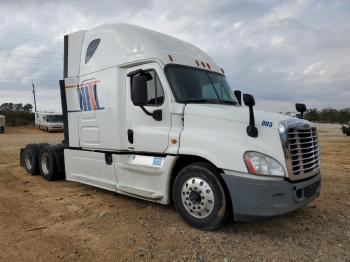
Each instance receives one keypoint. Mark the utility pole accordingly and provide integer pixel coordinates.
(34, 96)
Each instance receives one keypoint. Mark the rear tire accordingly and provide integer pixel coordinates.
(2, 129)
(48, 163)
(31, 155)
(199, 196)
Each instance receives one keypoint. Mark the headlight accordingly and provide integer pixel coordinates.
(260, 164)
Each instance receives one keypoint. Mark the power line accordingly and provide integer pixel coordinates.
(13, 33)
(12, 55)
(2, 49)
(30, 68)
(14, 80)
(18, 78)
(37, 63)
(16, 35)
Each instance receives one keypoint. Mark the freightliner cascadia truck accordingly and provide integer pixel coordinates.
(153, 117)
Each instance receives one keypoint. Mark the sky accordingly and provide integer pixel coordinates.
(282, 52)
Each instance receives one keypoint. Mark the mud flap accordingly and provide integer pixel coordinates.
(21, 157)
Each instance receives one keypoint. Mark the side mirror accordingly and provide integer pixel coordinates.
(238, 95)
(250, 102)
(139, 95)
(301, 108)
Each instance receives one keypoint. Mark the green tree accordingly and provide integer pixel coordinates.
(312, 115)
(28, 107)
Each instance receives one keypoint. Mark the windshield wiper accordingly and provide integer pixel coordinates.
(234, 103)
(201, 100)
(209, 101)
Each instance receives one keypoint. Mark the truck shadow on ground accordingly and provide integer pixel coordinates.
(286, 226)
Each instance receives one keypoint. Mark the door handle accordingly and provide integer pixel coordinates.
(108, 159)
(131, 136)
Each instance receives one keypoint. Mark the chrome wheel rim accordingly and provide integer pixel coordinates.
(45, 163)
(197, 197)
(28, 160)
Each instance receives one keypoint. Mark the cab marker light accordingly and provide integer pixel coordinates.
(203, 64)
(197, 62)
(208, 65)
(173, 141)
(222, 70)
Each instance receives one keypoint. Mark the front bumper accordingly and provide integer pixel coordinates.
(256, 198)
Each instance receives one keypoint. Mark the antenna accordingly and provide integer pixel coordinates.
(34, 96)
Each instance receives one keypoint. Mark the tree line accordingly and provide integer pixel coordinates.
(17, 114)
(328, 115)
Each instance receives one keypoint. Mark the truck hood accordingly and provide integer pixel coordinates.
(218, 133)
(235, 114)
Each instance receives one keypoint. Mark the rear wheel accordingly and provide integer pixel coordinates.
(2, 129)
(199, 196)
(48, 163)
(31, 154)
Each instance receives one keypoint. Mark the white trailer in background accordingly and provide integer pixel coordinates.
(153, 117)
(2, 124)
(49, 121)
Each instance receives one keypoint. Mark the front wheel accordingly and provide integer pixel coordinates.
(199, 196)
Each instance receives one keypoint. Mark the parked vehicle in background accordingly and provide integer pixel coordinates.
(2, 124)
(346, 129)
(153, 117)
(49, 121)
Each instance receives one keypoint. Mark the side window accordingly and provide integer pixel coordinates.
(91, 49)
(154, 89)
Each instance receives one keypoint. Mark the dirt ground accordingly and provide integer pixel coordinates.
(66, 221)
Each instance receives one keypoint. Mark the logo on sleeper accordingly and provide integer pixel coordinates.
(88, 98)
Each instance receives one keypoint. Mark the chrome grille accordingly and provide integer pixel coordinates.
(304, 151)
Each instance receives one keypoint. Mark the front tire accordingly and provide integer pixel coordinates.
(199, 196)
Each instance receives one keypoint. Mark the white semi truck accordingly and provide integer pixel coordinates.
(49, 121)
(153, 117)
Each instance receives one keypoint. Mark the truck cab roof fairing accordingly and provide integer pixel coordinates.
(123, 43)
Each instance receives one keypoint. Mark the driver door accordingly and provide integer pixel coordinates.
(145, 134)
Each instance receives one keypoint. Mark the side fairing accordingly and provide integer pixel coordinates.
(95, 105)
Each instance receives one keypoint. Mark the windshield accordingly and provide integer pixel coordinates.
(191, 85)
(54, 118)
